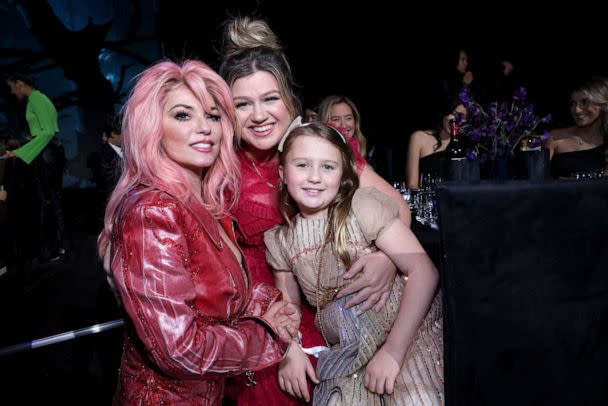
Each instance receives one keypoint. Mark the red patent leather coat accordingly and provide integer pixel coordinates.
(189, 304)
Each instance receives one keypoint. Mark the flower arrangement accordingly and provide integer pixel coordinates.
(497, 130)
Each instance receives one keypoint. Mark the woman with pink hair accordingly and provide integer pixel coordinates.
(195, 316)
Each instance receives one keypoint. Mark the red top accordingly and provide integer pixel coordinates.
(359, 159)
(256, 212)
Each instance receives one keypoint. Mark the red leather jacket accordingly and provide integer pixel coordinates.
(189, 302)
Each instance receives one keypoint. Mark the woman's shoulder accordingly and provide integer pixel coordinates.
(423, 136)
(423, 139)
(560, 134)
(144, 196)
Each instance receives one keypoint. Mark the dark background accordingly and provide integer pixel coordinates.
(388, 58)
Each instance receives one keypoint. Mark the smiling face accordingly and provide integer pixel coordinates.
(584, 111)
(312, 172)
(191, 135)
(262, 114)
(342, 115)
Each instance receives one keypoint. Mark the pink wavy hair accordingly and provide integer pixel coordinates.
(146, 162)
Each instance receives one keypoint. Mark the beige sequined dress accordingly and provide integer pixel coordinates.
(355, 339)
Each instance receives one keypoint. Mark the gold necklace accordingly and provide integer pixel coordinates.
(255, 168)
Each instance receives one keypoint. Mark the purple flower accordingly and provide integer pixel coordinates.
(464, 96)
(459, 118)
(520, 94)
(477, 134)
(473, 110)
(492, 109)
(499, 129)
(546, 136)
(471, 155)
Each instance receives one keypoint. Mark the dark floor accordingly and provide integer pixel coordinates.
(40, 300)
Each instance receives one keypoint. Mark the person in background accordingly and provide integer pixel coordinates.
(310, 115)
(261, 82)
(456, 76)
(110, 157)
(195, 314)
(44, 152)
(427, 147)
(343, 113)
(582, 147)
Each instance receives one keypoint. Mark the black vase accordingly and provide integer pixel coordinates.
(462, 170)
(499, 168)
(533, 165)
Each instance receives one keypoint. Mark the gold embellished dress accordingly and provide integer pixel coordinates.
(353, 340)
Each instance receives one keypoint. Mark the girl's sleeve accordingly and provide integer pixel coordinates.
(275, 255)
(374, 211)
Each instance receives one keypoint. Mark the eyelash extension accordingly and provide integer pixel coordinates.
(181, 115)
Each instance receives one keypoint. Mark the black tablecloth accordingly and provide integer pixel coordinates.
(525, 283)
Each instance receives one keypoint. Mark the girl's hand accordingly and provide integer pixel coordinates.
(381, 373)
(284, 318)
(374, 286)
(292, 373)
(289, 330)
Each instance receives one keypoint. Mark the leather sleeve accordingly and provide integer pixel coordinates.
(150, 267)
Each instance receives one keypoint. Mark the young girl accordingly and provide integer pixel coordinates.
(389, 357)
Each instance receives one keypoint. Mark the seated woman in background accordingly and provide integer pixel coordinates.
(582, 147)
(427, 147)
(342, 112)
